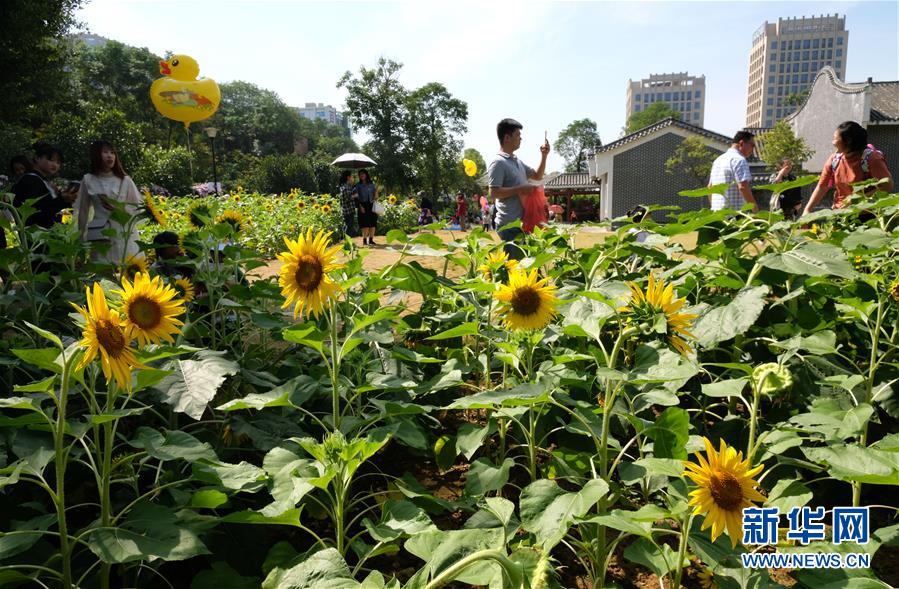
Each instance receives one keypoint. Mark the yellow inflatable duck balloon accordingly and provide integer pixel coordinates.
(179, 95)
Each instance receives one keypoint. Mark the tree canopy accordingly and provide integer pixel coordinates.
(780, 142)
(416, 134)
(693, 158)
(575, 141)
(652, 114)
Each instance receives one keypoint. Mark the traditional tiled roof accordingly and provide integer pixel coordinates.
(571, 180)
(884, 102)
(661, 125)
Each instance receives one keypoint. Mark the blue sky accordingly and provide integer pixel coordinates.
(545, 64)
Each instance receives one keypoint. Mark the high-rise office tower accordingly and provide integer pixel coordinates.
(784, 60)
(682, 92)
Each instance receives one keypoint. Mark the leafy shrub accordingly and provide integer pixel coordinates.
(282, 173)
(402, 215)
(167, 166)
(74, 133)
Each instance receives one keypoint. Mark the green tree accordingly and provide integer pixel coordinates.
(74, 132)
(797, 98)
(435, 121)
(575, 141)
(254, 120)
(692, 158)
(376, 101)
(33, 55)
(652, 114)
(780, 142)
(118, 75)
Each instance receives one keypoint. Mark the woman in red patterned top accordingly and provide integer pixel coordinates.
(854, 161)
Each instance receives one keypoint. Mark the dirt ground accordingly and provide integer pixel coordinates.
(383, 254)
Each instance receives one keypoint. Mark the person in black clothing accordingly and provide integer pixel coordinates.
(18, 167)
(35, 185)
(789, 201)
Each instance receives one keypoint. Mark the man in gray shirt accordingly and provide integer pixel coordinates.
(508, 182)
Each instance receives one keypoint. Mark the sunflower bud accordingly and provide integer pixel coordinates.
(771, 378)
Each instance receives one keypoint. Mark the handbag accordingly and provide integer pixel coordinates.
(378, 208)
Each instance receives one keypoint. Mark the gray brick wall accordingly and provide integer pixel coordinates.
(886, 139)
(640, 178)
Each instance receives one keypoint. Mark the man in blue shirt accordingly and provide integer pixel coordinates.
(508, 182)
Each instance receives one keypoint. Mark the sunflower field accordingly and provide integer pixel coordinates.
(263, 220)
(587, 417)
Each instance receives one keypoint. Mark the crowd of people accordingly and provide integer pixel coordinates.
(853, 160)
(106, 200)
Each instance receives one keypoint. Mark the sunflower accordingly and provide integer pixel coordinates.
(471, 168)
(104, 332)
(659, 299)
(725, 486)
(707, 579)
(150, 309)
(315, 206)
(152, 210)
(301, 205)
(199, 214)
(232, 218)
(185, 289)
(497, 265)
(304, 276)
(326, 209)
(894, 290)
(66, 217)
(391, 199)
(134, 265)
(526, 302)
(235, 197)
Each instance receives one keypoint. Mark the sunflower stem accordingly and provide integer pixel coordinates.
(61, 462)
(335, 369)
(682, 549)
(753, 420)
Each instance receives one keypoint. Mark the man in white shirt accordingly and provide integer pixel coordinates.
(731, 168)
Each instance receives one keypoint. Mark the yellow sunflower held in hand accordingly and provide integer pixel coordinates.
(659, 299)
(152, 210)
(185, 289)
(304, 278)
(233, 218)
(497, 266)
(894, 290)
(151, 309)
(525, 301)
(326, 209)
(471, 168)
(134, 265)
(105, 333)
(725, 486)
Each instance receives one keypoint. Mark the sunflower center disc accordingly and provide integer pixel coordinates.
(309, 273)
(110, 337)
(726, 491)
(144, 313)
(525, 301)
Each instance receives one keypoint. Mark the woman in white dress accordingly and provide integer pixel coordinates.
(102, 191)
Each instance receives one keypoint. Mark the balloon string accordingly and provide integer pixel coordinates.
(190, 155)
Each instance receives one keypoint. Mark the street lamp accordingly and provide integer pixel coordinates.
(211, 132)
